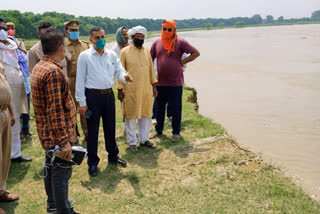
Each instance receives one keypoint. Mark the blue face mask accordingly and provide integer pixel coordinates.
(74, 35)
(100, 44)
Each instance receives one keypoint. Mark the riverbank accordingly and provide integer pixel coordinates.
(205, 172)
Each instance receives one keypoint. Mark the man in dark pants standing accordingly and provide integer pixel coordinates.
(96, 71)
(168, 50)
(56, 119)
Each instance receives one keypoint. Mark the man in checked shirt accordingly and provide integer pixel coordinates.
(56, 120)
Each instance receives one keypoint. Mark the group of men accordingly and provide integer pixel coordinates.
(68, 75)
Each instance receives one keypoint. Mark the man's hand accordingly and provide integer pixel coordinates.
(12, 120)
(155, 92)
(82, 110)
(66, 152)
(11, 115)
(120, 95)
(128, 78)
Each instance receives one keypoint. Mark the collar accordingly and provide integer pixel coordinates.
(47, 58)
(93, 51)
(69, 42)
(139, 49)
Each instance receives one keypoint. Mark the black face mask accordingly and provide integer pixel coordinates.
(138, 42)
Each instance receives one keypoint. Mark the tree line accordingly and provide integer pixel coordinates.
(27, 23)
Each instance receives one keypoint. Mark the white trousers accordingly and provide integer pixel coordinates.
(16, 143)
(144, 127)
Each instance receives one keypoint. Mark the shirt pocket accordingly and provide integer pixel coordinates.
(110, 69)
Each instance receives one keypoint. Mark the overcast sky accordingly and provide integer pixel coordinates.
(175, 9)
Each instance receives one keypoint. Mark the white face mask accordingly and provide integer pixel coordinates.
(3, 34)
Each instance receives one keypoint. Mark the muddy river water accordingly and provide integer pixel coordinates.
(263, 85)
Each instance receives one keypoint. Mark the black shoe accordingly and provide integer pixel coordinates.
(93, 171)
(120, 162)
(22, 159)
(147, 143)
(73, 212)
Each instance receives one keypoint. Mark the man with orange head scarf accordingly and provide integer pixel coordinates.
(168, 50)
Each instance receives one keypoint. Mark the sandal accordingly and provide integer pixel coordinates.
(133, 148)
(147, 144)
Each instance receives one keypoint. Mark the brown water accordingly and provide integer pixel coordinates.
(263, 85)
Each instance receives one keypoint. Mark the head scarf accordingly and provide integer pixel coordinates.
(169, 38)
(22, 60)
(9, 54)
(138, 29)
(119, 36)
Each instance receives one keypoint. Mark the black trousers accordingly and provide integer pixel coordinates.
(102, 105)
(173, 97)
(154, 109)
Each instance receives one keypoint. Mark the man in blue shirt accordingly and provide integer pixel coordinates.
(96, 72)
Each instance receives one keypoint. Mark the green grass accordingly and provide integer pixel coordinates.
(205, 172)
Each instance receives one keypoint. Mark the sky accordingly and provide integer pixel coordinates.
(174, 9)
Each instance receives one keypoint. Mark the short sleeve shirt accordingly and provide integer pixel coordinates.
(169, 67)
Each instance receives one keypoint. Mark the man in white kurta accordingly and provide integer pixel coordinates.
(9, 60)
(137, 96)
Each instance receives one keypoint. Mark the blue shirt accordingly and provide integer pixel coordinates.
(27, 85)
(97, 72)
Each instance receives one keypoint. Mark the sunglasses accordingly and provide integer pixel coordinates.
(4, 28)
(167, 28)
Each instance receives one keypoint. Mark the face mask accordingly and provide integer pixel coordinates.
(138, 42)
(3, 34)
(11, 32)
(167, 35)
(100, 44)
(74, 35)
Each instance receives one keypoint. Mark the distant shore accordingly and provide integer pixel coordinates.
(111, 37)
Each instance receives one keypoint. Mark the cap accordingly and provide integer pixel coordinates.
(72, 24)
(11, 24)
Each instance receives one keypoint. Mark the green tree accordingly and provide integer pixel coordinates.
(208, 26)
(270, 19)
(256, 19)
(315, 16)
(220, 24)
(280, 19)
(239, 23)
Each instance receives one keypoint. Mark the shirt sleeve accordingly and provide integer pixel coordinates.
(32, 60)
(55, 84)
(22, 46)
(153, 51)
(68, 55)
(123, 62)
(186, 47)
(153, 78)
(120, 73)
(80, 80)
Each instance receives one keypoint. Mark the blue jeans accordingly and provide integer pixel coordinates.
(25, 118)
(57, 175)
(173, 97)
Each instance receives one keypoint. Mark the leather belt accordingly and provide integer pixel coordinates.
(100, 91)
(3, 108)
